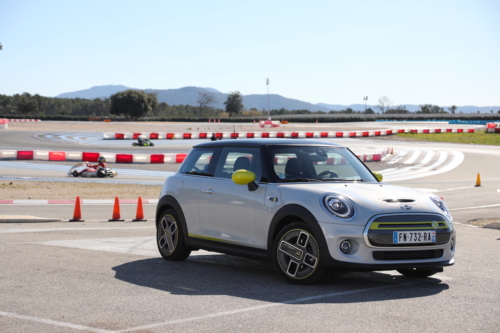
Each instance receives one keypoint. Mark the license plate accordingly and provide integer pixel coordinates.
(401, 237)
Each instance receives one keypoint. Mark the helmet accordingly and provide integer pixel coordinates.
(102, 159)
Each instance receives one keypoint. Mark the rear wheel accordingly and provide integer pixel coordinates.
(296, 255)
(416, 272)
(169, 237)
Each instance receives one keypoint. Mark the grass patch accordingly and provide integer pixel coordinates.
(478, 138)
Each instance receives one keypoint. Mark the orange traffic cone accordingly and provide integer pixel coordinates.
(139, 215)
(77, 214)
(116, 211)
(478, 180)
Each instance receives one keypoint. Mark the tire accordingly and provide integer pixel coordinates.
(134, 144)
(170, 237)
(101, 173)
(415, 272)
(152, 144)
(296, 255)
(75, 173)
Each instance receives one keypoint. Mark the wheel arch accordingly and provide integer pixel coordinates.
(169, 202)
(293, 213)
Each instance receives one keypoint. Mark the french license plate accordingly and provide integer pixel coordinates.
(400, 237)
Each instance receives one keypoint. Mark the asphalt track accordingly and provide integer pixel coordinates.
(100, 276)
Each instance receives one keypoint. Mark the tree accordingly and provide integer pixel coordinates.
(132, 103)
(384, 104)
(452, 109)
(369, 111)
(205, 99)
(234, 103)
(429, 108)
(27, 104)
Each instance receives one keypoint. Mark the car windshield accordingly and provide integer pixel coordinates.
(317, 164)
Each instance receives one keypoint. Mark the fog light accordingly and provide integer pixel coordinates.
(345, 246)
(452, 246)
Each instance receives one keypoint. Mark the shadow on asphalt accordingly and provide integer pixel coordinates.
(250, 279)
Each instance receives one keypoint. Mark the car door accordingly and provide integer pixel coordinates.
(229, 212)
(199, 165)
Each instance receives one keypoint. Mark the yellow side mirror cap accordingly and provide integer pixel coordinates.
(243, 177)
(378, 175)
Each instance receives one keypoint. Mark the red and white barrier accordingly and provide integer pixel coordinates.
(4, 123)
(24, 120)
(168, 158)
(45, 155)
(280, 135)
(493, 128)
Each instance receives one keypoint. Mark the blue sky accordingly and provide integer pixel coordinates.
(415, 52)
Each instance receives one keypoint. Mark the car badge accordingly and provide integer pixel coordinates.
(406, 207)
(435, 224)
(298, 254)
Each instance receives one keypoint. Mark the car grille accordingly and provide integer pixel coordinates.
(380, 230)
(407, 255)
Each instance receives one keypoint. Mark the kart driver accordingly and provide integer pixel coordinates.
(140, 138)
(94, 168)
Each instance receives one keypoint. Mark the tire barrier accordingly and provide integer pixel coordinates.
(168, 158)
(274, 135)
(493, 128)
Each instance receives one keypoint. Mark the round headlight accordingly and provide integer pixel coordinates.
(440, 203)
(338, 205)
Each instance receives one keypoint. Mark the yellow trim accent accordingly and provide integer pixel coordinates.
(221, 240)
(378, 175)
(376, 225)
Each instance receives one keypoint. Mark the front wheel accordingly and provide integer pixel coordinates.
(296, 255)
(169, 237)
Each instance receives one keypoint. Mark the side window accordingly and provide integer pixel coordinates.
(198, 162)
(236, 158)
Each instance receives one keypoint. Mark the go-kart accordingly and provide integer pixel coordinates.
(100, 172)
(145, 142)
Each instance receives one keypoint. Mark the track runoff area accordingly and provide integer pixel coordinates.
(100, 276)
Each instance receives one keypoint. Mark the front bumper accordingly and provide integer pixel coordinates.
(364, 255)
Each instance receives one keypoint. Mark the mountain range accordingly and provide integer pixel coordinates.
(189, 95)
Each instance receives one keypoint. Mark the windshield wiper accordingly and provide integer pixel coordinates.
(343, 180)
(197, 173)
(296, 180)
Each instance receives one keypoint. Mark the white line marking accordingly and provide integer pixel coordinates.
(143, 246)
(458, 158)
(21, 230)
(453, 189)
(398, 157)
(54, 322)
(467, 225)
(253, 308)
(413, 157)
(478, 207)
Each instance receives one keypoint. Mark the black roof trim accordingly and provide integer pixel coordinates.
(265, 142)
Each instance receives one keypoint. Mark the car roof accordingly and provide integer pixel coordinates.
(264, 142)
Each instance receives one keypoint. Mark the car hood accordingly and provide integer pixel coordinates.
(369, 199)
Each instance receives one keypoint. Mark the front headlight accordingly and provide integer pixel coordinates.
(440, 203)
(338, 205)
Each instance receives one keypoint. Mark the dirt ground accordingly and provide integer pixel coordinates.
(42, 190)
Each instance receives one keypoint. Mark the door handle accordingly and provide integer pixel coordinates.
(208, 191)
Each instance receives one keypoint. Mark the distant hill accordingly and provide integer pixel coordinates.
(189, 96)
(95, 92)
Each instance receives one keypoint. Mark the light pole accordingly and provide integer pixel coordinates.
(365, 99)
(268, 109)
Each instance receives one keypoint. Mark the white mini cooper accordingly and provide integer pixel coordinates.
(308, 206)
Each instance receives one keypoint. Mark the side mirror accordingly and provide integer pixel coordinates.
(245, 177)
(378, 175)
